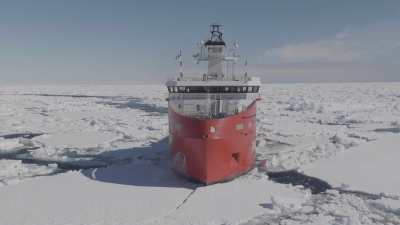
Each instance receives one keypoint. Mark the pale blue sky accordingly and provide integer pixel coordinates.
(82, 41)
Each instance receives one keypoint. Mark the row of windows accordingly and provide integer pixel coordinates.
(213, 89)
(215, 49)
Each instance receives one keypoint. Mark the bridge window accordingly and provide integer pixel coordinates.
(216, 49)
(213, 89)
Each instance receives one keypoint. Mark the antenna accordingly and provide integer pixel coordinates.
(216, 32)
(179, 59)
(233, 58)
(201, 54)
(197, 55)
(245, 66)
(235, 45)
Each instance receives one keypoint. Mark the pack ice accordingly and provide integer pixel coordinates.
(99, 155)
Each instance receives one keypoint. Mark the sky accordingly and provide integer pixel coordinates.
(127, 41)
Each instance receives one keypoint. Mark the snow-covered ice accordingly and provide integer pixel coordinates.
(12, 171)
(9, 145)
(369, 167)
(346, 134)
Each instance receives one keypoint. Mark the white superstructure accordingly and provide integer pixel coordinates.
(219, 92)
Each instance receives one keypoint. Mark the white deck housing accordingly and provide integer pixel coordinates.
(216, 94)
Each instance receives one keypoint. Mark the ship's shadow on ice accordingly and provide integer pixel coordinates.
(142, 166)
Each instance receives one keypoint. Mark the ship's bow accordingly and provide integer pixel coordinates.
(213, 150)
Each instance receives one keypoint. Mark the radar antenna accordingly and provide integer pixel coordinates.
(245, 66)
(216, 33)
(179, 59)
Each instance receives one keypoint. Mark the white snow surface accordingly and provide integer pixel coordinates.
(345, 134)
(13, 171)
(369, 167)
(75, 199)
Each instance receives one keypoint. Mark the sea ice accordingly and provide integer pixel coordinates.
(345, 134)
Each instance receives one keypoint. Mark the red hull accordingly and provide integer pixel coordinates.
(213, 150)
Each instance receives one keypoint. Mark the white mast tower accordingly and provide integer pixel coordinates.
(213, 51)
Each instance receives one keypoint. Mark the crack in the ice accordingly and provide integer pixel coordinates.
(21, 135)
(70, 96)
(270, 143)
(367, 139)
(26, 158)
(347, 124)
(394, 130)
(137, 103)
(3, 182)
(360, 194)
(186, 199)
(116, 101)
(152, 220)
(16, 152)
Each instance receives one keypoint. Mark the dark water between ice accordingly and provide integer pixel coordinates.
(293, 177)
(125, 156)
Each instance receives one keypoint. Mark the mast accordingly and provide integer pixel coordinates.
(180, 64)
(216, 52)
(213, 50)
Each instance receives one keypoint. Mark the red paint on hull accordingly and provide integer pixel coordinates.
(213, 150)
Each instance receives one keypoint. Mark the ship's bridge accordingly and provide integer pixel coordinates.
(213, 99)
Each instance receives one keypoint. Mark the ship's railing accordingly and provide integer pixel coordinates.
(206, 77)
(207, 105)
(208, 96)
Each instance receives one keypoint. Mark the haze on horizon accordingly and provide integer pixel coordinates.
(62, 42)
